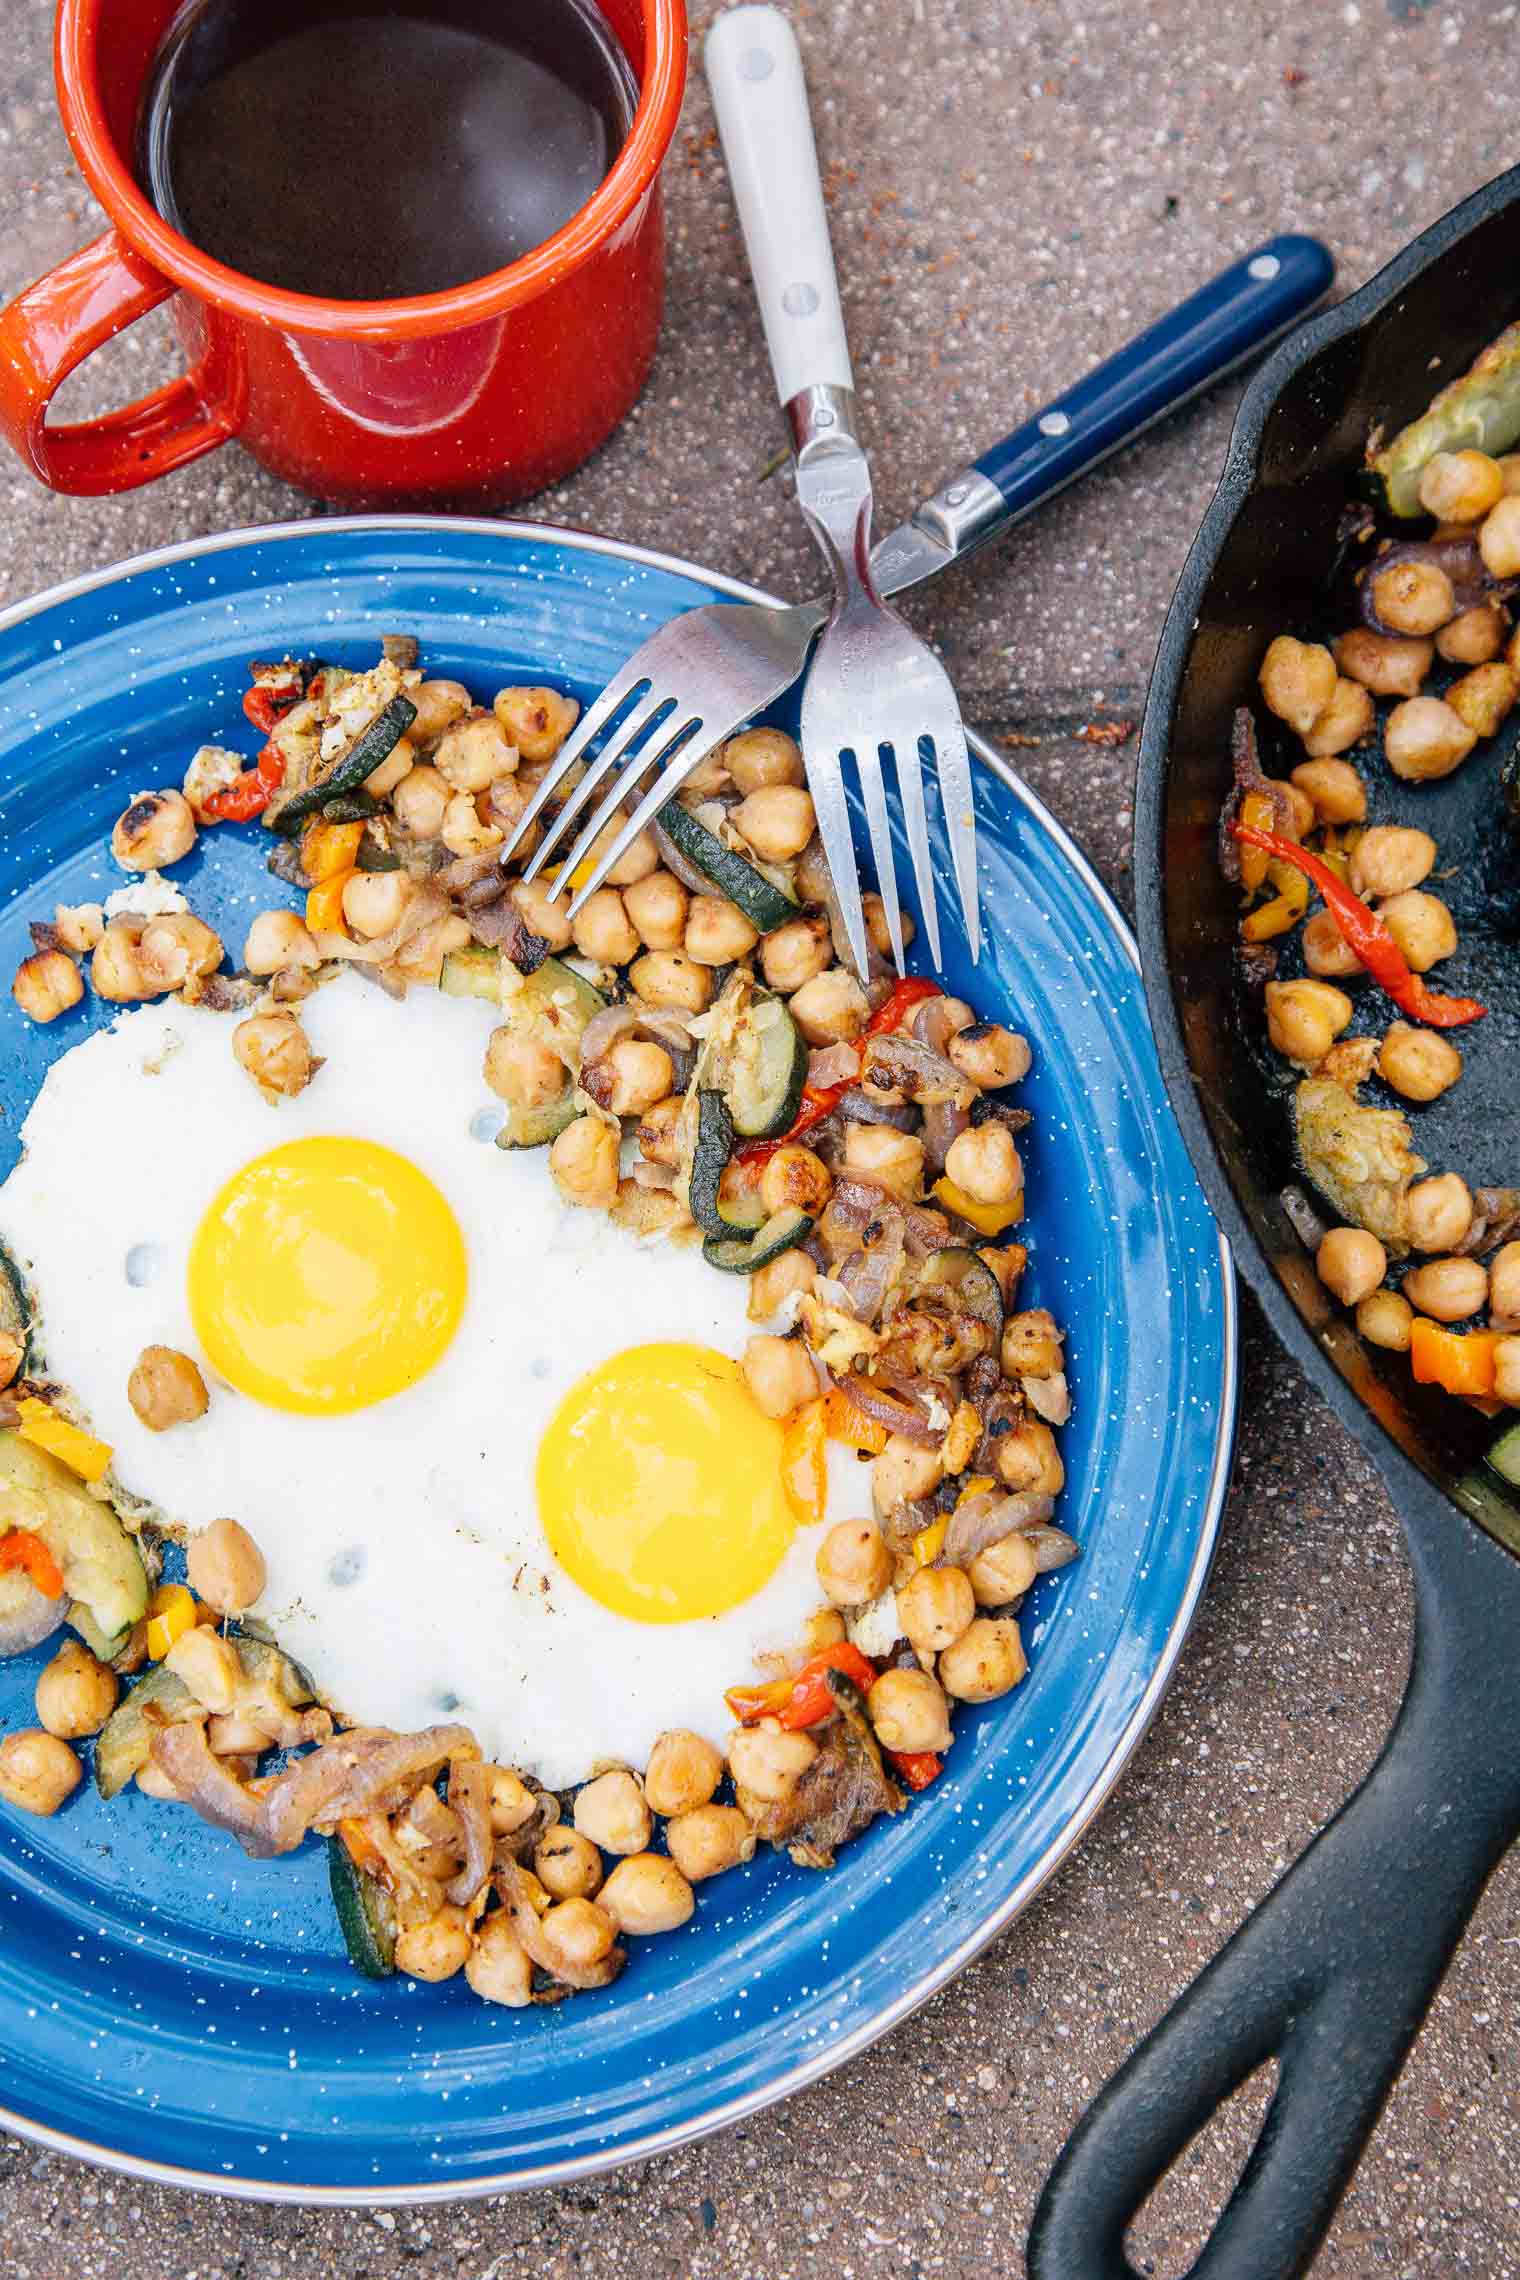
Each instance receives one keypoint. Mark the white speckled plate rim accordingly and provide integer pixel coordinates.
(983, 1933)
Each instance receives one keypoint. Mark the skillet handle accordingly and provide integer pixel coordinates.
(1332, 1975)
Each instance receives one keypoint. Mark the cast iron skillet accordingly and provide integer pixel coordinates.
(1333, 1973)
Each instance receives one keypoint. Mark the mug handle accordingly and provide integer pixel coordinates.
(53, 325)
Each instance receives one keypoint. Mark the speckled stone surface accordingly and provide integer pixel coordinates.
(1014, 186)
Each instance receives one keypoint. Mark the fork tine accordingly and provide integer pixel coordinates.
(681, 754)
(953, 768)
(592, 721)
(910, 783)
(868, 763)
(832, 813)
(637, 768)
(617, 750)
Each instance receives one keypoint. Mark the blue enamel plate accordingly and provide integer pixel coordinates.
(179, 2011)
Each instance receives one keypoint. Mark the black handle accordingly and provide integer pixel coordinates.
(1333, 1973)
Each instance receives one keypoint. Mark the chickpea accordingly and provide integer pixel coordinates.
(657, 1133)
(12, 1355)
(46, 985)
(894, 1159)
(639, 860)
(1419, 1063)
(990, 1055)
(1302, 818)
(375, 902)
(1391, 858)
(78, 927)
(1460, 486)
(513, 1803)
(779, 1374)
(1483, 697)
(37, 1771)
(1029, 1459)
(1384, 1319)
(831, 1009)
(421, 801)
(157, 830)
(903, 1472)
(1337, 791)
(962, 1438)
(584, 1163)
(1423, 739)
(641, 1074)
(1439, 1212)
(909, 1711)
(682, 1773)
(768, 1761)
(1413, 597)
(1503, 1286)
(581, 1931)
(647, 1894)
(75, 1693)
(717, 931)
(568, 1865)
(795, 953)
(1346, 720)
(1350, 1263)
(226, 1568)
(985, 1661)
(795, 1175)
(1305, 1018)
(176, 949)
(611, 1811)
(1507, 1372)
(934, 1607)
(154, 1782)
(437, 1948)
(1474, 636)
(521, 1071)
(761, 756)
(1004, 1572)
(1448, 1289)
(536, 720)
(774, 1284)
(825, 1627)
(275, 1051)
(397, 764)
(1386, 663)
(166, 1389)
(276, 939)
(498, 1967)
(712, 1838)
(669, 978)
(544, 918)
(1297, 681)
(776, 821)
(984, 1164)
(464, 832)
(1422, 927)
(438, 704)
(1499, 539)
(1032, 1344)
(853, 1563)
(473, 754)
(1326, 950)
(208, 1665)
(657, 907)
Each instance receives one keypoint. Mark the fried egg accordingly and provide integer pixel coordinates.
(496, 1451)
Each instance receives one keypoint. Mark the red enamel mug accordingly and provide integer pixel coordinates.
(472, 397)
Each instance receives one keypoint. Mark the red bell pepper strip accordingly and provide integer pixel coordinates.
(915, 1769)
(269, 701)
(252, 792)
(819, 1101)
(1365, 933)
(804, 1700)
(19, 1548)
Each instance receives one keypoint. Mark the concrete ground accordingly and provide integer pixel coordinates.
(1014, 187)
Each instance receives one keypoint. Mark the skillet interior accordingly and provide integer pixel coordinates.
(1291, 472)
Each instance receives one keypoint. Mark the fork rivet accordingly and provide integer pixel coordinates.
(957, 495)
(823, 417)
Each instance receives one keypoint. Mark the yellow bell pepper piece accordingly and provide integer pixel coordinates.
(805, 1463)
(171, 1613)
(977, 1485)
(1257, 810)
(986, 1218)
(1460, 1362)
(930, 1542)
(324, 905)
(45, 1429)
(328, 848)
(1285, 909)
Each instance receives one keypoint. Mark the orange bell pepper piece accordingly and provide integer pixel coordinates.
(804, 1700)
(324, 905)
(1460, 1362)
(844, 1422)
(805, 1463)
(20, 1548)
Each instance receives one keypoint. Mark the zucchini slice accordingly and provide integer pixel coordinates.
(536, 1127)
(743, 1255)
(1480, 410)
(959, 1275)
(15, 1309)
(1504, 1456)
(348, 772)
(101, 1567)
(473, 972)
(709, 1161)
(762, 903)
(126, 1738)
(556, 1000)
(365, 1915)
(766, 1066)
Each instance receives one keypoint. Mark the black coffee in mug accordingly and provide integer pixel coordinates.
(361, 151)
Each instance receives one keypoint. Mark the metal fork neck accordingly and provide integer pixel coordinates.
(820, 420)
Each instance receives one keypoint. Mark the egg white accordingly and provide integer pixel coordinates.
(408, 1569)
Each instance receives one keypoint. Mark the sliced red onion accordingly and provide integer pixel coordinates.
(893, 1407)
(605, 1029)
(29, 1616)
(858, 1107)
(943, 1123)
(470, 1797)
(1052, 1548)
(986, 1519)
(833, 1065)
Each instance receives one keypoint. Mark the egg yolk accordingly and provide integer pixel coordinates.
(326, 1276)
(659, 1485)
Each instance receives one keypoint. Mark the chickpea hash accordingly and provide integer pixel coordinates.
(696, 1059)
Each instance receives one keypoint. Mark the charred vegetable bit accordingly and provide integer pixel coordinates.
(1481, 411)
